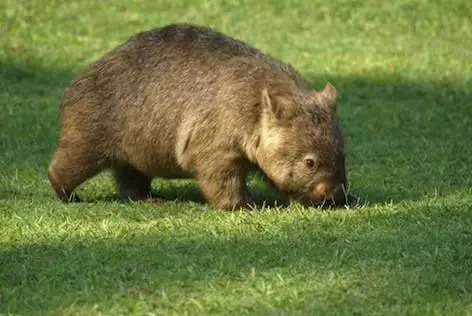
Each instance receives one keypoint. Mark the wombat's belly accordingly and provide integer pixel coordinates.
(157, 164)
(152, 154)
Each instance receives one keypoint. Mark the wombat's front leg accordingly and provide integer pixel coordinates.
(224, 186)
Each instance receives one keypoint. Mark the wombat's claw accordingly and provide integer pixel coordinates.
(243, 206)
(154, 199)
(73, 198)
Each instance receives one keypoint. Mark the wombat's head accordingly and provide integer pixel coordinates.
(301, 145)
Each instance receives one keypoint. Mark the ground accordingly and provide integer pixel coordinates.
(403, 72)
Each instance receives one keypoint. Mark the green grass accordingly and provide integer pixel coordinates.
(403, 70)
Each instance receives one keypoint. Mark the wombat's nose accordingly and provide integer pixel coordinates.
(323, 189)
(327, 191)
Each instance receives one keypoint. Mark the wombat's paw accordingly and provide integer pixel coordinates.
(154, 199)
(148, 198)
(243, 205)
(70, 198)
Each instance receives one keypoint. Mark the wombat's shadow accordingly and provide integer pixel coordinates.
(259, 189)
(378, 114)
(188, 191)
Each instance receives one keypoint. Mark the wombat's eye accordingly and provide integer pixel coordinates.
(310, 163)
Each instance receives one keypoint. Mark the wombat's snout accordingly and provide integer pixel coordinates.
(329, 192)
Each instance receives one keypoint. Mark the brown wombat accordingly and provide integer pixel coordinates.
(188, 101)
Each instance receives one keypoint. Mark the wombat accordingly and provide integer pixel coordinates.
(188, 101)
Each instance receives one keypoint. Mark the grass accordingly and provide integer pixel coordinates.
(403, 70)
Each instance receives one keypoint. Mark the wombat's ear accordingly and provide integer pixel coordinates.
(276, 106)
(328, 96)
(270, 104)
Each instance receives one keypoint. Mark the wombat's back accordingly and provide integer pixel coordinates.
(199, 43)
(179, 55)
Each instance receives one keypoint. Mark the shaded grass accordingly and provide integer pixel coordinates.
(403, 72)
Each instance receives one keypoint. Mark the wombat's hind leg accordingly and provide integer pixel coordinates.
(70, 167)
(133, 185)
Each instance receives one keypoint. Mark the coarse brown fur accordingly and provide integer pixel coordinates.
(187, 101)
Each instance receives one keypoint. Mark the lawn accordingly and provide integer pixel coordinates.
(403, 70)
